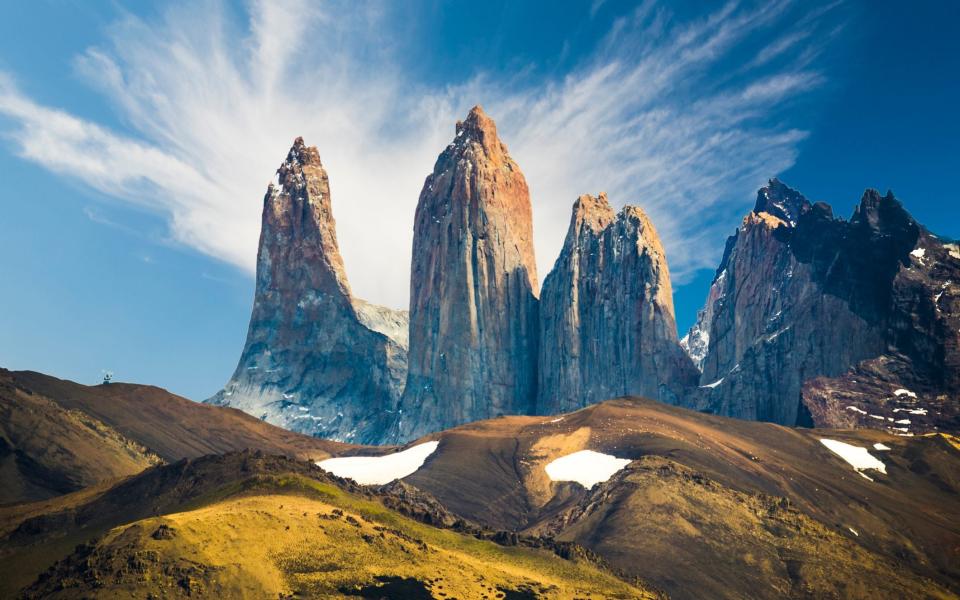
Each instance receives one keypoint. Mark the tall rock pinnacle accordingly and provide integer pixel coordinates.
(316, 360)
(607, 325)
(473, 282)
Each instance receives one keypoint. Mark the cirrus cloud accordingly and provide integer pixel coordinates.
(663, 113)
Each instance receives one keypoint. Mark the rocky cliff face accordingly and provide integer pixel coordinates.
(316, 360)
(808, 312)
(914, 385)
(607, 325)
(473, 285)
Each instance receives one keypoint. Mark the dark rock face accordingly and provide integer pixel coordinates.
(473, 283)
(317, 360)
(607, 325)
(914, 385)
(808, 312)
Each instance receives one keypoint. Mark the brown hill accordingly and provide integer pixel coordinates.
(717, 507)
(170, 425)
(707, 507)
(47, 450)
(58, 436)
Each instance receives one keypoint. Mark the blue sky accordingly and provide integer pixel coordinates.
(136, 143)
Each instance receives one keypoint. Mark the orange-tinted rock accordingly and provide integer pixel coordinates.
(473, 282)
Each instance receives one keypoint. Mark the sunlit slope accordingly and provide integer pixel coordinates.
(171, 426)
(717, 507)
(282, 529)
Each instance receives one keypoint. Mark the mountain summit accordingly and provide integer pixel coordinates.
(473, 285)
(316, 360)
(607, 325)
(817, 320)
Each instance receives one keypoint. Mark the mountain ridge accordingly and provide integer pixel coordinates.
(808, 316)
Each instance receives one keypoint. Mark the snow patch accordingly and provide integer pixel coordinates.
(919, 252)
(881, 447)
(855, 409)
(853, 531)
(912, 411)
(714, 384)
(586, 467)
(378, 470)
(856, 456)
(903, 392)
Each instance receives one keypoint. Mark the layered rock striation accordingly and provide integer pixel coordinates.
(316, 360)
(473, 288)
(607, 325)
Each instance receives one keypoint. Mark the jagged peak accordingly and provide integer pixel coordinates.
(290, 174)
(301, 155)
(298, 216)
(478, 124)
(479, 128)
(881, 212)
(593, 211)
(780, 200)
(475, 146)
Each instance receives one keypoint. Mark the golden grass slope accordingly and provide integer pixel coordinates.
(307, 538)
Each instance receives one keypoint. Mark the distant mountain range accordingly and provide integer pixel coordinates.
(810, 320)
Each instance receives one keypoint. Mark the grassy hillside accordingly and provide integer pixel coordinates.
(259, 527)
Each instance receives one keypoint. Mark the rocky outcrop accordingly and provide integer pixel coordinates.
(806, 308)
(473, 285)
(607, 325)
(914, 385)
(316, 360)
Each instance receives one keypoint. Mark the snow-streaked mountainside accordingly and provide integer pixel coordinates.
(814, 319)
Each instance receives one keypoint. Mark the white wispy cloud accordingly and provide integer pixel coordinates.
(211, 106)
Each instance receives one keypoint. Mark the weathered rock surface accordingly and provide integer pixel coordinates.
(914, 386)
(473, 285)
(607, 326)
(316, 360)
(809, 312)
